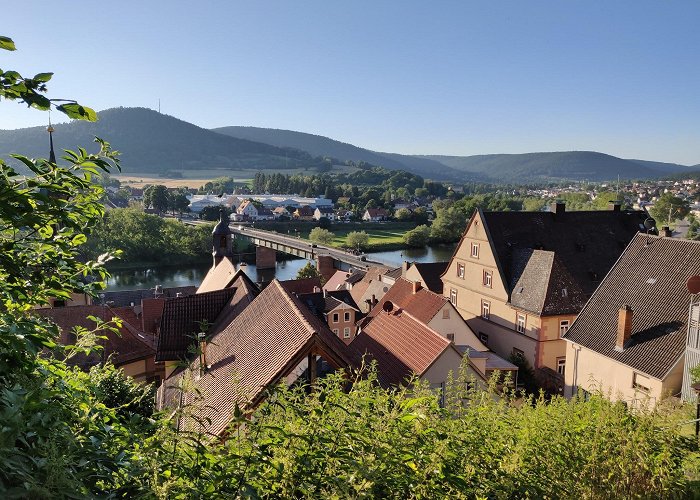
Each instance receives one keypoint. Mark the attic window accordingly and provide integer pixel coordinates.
(564, 292)
(520, 290)
(651, 281)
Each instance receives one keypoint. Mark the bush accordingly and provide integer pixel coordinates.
(417, 237)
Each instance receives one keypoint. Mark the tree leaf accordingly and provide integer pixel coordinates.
(7, 43)
(78, 112)
(42, 77)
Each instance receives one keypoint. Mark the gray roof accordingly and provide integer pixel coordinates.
(651, 279)
(431, 273)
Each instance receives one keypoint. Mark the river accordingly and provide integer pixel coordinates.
(192, 274)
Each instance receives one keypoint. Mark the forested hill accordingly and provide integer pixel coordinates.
(318, 145)
(151, 142)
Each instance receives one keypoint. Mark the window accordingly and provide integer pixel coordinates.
(487, 279)
(59, 303)
(561, 366)
(445, 313)
(563, 327)
(484, 338)
(453, 296)
(640, 382)
(460, 271)
(517, 353)
(346, 333)
(475, 250)
(336, 317)
(335, 330)
(346, 317)
(485, 309)
(451, 337)
(520, 323)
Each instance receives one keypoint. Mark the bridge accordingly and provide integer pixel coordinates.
(328, 259)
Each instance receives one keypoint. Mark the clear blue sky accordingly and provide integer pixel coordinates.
(458, 77)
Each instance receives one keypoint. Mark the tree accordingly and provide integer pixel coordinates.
(403, 214)
(156, 197)
(669, 208)
(310, 271)
(357, 240)
(324, 223)
(417, 237)
(448, 226)
(322, 236)
(178, 202)
(213, 212)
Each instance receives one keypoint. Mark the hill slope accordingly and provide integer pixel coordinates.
(151, 142)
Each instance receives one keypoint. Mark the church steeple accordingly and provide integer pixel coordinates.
(221, 239)
(52, 155)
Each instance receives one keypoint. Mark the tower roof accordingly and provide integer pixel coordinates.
(222, 227)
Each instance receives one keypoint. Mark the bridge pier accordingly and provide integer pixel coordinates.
(265, 258)
(326, 266)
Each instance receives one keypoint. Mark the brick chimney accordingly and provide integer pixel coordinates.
(624, 327)
(666, 232)
(558, 207)
(416, 286)
(405, 266)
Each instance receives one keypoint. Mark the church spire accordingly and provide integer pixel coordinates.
(49, 129)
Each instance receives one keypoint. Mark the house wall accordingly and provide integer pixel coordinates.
(591, 371)
(447, 362)
(342, 324)
(456, 325)
(552, 347)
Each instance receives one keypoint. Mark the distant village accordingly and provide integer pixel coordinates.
(570, 302)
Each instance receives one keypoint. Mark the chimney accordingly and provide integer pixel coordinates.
(201, 336)
(317, 289)
(666, 232)
(325, 293)
(624, 327)
(614, 205)
(405, 267)
(416, 286)
(374, 300)
(558, 207)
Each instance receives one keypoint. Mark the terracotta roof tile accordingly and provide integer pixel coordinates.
(651, 279)
(303, 285)
(401, 344)
(218, 277)
(423, 305)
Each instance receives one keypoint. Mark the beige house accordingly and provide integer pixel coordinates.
(520, 278)
(630, 339)
(337, 309)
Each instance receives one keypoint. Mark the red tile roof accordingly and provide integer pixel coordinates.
(401, 344)
(423, 305)
(304, 285)
(264, 343)
(218, 277)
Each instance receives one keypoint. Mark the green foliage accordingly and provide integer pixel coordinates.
(148, 238)
(309, 271)
(417, 237)
(357, 240)
(322, 236)
(213, 212)
(156, 197)
(669, 208)
(403, 214)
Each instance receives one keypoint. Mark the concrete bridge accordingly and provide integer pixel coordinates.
(328, 259)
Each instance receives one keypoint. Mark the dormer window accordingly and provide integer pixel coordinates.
(475, 250)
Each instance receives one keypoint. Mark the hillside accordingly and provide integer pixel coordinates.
(151, 142)
(573, 165)
(318, 145)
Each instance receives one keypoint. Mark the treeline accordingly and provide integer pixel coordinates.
(146, 238)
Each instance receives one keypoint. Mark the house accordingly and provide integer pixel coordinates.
(375, 215)
(630, 339)
(403, 346)
(520, 278)
(280, 212)
(264, 214)
(337, 309)
(247, 209)
(428, 273)
(368, 287)
(275, 339)
(130, 348)
(326, 212)
(344, 215)
(304, 213)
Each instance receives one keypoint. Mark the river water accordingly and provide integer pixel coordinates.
(192, 274)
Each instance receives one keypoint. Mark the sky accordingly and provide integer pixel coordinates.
(449, 77)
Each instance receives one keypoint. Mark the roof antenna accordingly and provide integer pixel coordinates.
(649, 224)
(49, 129)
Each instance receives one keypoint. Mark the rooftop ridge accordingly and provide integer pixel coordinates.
(295, 306)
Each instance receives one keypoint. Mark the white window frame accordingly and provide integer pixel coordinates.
(460, 270)
(346, 332)
(488, 279)
(520, 326)
(453, 297)
(563, 327)
(475, 250)
(561, 366)
(336, 317)
(485, 309)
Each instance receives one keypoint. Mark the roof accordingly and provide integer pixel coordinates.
(325, 209)
(431, 272)
(422, 305)
(128, 345)
(127, 297)
(393, 273)
(651, 279)
(337, 281)
(302, 285)
(181, 321)
(586, 245)
(401, 344)
(256, 350)
(245, 293)
(305, 210)
(377, 212)
(320, 303)
(218, 277)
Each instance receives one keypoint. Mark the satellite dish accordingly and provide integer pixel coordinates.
(649, 224)
(388, 306)
(693, 284)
